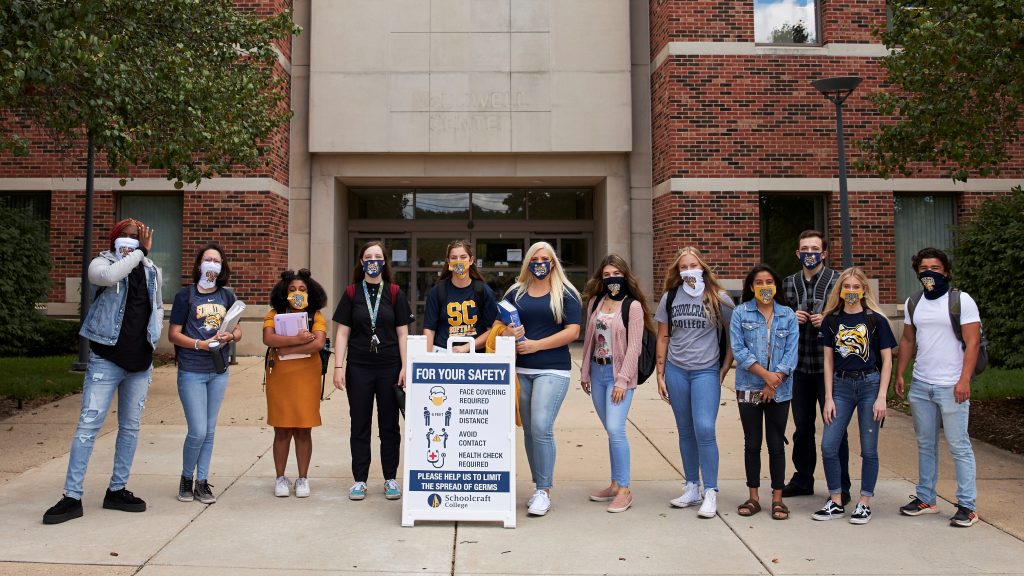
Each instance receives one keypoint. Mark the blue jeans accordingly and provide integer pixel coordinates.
(103, 379)
(929, 406)
(851, 393)
(540, 397)
(695, 396)
(613, 417)
(201, 394)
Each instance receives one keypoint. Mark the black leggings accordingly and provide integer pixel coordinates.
(756, 418)
(362, 385)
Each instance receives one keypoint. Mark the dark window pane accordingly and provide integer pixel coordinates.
(494, 252)
(163, 213)
(579, 280)
(379, 204)
(561, 204)
(430, 252)
(499, 205)
(442, 205)
(783, 218)
(35, 204)
(785, 21)
(574, 252)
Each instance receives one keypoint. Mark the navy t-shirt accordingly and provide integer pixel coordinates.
(535, 314)
(850, 339)
(200, 316)
(460, 314)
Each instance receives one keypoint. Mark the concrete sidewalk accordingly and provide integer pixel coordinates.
(250, 532)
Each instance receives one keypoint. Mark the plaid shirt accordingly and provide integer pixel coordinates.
(810, 358)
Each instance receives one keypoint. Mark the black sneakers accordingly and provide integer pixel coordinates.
(862, 515)
(829, 511)
(204, 493)
(916, 507)
(67, 509)
(790, 490)
(124, 501)
(185, 490)
(964, 517)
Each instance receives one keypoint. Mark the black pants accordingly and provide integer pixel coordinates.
(808, 402)
(362, 385)
(768, 420)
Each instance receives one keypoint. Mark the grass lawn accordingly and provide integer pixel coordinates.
(992, 384)
(28, 378)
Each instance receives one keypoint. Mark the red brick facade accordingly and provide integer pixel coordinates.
(757, 116)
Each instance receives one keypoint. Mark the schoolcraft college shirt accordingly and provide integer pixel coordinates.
(940, 356)
(461, 315)
(535, 314)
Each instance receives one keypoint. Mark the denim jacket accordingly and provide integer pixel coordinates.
(750, 344)
(103, 323)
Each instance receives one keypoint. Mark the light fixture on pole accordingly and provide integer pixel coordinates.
(837, 90)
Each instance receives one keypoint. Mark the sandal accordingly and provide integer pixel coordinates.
(780, 511)
(748, 508)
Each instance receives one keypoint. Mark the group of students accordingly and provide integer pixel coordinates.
(820, 341)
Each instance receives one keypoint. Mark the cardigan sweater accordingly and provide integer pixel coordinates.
(624, 359)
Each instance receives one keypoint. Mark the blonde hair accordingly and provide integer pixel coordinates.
(559, 283)
(712, 305)
(835, 303)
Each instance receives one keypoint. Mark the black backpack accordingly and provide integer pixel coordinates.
(648, 349)
(723, 332)
(954, 319)
(872, 320)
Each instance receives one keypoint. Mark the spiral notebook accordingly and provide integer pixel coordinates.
(289, 325)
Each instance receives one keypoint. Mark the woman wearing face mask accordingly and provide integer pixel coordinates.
(691, 366)
(460, 303)
(609, 370)
(196, 318)
(373, 319)
(764, 339)
(858, 365)
(293, 385)
(549, 312)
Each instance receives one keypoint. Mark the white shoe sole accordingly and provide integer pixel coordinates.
(282, 495)
(704, 514)
(356, 496)
(302, 494)
(860, 520)
(393, 496)
(827, 518)
(677, 503)
(533, 512)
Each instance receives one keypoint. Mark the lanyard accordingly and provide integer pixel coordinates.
(374, 307)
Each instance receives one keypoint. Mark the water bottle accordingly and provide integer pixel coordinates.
(218, 358)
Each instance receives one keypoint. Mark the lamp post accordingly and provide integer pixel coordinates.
(837, 90)
(86, 291)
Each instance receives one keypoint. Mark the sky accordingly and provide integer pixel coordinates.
(770, 14)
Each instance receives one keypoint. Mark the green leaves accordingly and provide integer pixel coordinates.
(24, 278)
(179, 85)
(987, 265)
(956, 71)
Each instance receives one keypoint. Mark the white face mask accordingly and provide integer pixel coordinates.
(208, 272)
(693, 281)
(124, 247)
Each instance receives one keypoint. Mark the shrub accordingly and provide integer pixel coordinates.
(989, 265)
(24, 279)
(57, 338)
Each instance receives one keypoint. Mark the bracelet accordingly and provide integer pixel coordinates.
(196, 345)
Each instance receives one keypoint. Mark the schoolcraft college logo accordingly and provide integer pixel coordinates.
(690, 281)
(928, 282)
(434, 500)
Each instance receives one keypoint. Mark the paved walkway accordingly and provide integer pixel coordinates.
(250, 532)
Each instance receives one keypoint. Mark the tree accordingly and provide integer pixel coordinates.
(24, 278)
(791, 34)
(957, 75)
(184, 86)
(988, 256)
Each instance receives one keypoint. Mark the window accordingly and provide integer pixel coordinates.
(786, 22)
(36, 204)
(921, 221)
(463, 204)
(783, 218)
(162, 213)
(380, 204)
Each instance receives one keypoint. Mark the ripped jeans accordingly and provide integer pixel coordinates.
(102, 379)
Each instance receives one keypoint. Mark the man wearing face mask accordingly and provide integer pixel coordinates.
(806, 292)
(941, 388)
(123, 327)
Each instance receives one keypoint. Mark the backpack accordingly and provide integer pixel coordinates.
(872, 319)
(648, 349)
(954, 319)
(723, 333)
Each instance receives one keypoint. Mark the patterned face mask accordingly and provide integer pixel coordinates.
(693, 281)
(373, 268)
(125, 246)
(460, 268)
(765, 293)
(935, 284)
(540, 270)
(616, 287)
(208, 272)
(810, 260)
(851, 297)
(298, 300)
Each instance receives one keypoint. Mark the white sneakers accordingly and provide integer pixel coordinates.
(691, 496)
(282, 487)
(301, 488)
(710, 506)
(539, 503)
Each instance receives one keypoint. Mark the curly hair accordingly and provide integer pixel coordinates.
(279, 294)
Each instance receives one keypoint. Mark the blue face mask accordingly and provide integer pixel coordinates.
(373, 268)
(540, 270)
(935, 284)
(810, 260)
